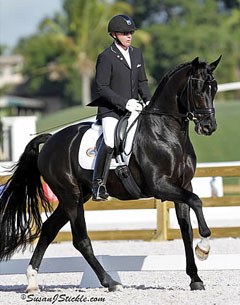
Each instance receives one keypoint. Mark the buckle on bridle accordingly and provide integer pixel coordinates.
(190, 116)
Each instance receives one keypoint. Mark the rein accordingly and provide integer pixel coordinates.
(159, 112)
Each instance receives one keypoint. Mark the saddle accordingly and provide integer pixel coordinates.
(120, 138)
(124, 136)
(120, 135)
(123, 172)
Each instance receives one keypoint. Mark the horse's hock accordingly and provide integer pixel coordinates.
(161, 214)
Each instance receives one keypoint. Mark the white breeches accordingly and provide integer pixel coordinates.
(109, 125)
(131, 132)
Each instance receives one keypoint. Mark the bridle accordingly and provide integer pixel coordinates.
(193, 113)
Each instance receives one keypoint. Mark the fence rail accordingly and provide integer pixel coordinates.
(114, 204)
(167, 233)
(163, 230)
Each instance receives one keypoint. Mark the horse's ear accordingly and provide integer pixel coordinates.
(195, 62)
(214, 64)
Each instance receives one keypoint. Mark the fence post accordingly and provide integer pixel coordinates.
(162, 220)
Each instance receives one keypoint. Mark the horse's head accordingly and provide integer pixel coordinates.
(199, 92)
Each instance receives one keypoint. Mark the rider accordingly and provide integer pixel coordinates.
(120, 80)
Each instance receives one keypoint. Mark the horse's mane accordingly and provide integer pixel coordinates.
(166, 77)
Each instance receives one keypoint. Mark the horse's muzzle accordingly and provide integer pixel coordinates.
(206, 126)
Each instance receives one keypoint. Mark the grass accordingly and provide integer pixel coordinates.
(223, 145)
(64, 117)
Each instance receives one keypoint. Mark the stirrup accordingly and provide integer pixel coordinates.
(99, 191)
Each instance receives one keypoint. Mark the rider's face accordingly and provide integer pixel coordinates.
(125, 38)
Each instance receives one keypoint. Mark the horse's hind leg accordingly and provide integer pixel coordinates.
(49, 231)
(82, 243)
(183, 216)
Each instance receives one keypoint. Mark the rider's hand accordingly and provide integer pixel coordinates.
(133, 105)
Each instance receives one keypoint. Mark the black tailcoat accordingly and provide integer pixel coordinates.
(116, 82)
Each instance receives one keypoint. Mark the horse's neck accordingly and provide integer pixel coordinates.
(163, 116)
(163, 126)
(166, 98)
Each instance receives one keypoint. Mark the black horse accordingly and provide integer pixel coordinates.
(162, 163)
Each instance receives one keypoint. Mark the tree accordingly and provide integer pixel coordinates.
(182, 30)
(84, 33)
(229, 4)
(2, 49)
(148, 12)
(73, 40)
(61, 56)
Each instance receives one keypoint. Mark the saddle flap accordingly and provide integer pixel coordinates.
(120, 134)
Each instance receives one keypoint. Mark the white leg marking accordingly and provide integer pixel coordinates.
(32, 280)
(202, 249)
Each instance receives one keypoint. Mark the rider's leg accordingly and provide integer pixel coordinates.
(101, 169)
(103, 159)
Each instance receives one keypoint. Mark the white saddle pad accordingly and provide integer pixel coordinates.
(87, 150)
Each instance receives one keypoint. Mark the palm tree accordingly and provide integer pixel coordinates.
(81, 32)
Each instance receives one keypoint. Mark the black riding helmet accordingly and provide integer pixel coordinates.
(121, 23)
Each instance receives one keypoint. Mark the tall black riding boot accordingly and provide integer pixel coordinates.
(100, 174)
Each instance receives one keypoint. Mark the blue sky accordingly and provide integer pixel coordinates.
(20, 18)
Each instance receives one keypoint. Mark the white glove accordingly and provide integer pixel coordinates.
(133, 105)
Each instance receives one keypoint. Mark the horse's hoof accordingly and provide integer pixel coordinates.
(114, 288)
(201, 254)
(197, 286)
(32, 290)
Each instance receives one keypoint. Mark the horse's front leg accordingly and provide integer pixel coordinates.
(183, 216)
(167, 191)
(203, 248)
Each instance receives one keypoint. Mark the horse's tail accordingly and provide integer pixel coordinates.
(21, 201)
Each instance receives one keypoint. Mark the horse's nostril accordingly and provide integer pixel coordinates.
(207, 127)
